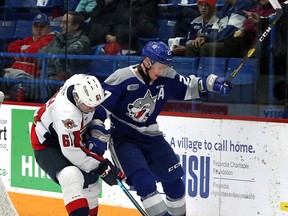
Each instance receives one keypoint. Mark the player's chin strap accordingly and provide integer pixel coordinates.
(145, 76)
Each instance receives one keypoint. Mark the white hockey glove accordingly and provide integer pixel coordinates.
(99, 139)
(216, 84)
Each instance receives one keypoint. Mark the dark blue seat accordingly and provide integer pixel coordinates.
(23, 9)
(208, 65)
(21, 3)
(7, 29)
(245, 81)
(7, 13)
(212, 65)
(175, 2)
(55, 25)
(23, 29)
(101, 68)
(167, 11)
(166, 29)
(50, 4)
(185, 66)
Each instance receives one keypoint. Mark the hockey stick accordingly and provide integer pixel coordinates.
(140, 209)
(113, 154)
(117, 163)
(277, 7)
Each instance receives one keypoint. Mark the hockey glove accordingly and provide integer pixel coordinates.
(109, 173)
(96, 146)
(97, 130)
(216, 84)
(99, 137)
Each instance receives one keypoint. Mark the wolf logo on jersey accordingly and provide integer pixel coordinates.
(141, 108)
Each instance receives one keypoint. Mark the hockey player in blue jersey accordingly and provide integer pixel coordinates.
(134, 97)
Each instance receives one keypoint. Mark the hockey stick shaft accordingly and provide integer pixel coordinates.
(140, 209)
(278, 14)
(117, 163)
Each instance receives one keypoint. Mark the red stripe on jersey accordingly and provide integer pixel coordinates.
(43, 108)
(40, 113)
(77, 204)
(94, 211)
(92, 154)
(36, 145)
(78, 138)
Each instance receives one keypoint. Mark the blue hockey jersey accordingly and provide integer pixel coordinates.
(198, 28)
(134, 105)
(230, 18)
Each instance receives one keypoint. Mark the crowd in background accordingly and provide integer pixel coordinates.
(113, 27)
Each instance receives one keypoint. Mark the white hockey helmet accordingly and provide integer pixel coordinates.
(88, 91)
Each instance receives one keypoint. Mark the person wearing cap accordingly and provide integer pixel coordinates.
(24, 67)
(221, 41)
(71, 40)
(199, 28)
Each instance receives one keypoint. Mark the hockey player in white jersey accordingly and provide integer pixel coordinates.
(134, 97)
(60, 147)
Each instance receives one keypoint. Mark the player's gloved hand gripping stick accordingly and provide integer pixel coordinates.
(117, 163)
(110, 173)
(213, 83)
(277, 7)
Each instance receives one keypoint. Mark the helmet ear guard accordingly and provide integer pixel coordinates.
(157, 51)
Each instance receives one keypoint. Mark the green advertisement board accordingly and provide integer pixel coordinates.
(25, 172)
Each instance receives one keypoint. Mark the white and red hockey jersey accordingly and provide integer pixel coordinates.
(60, 123)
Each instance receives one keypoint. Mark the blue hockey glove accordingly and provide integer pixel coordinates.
(98, 130)
(99, 138)
(96, 146)
(216, 84)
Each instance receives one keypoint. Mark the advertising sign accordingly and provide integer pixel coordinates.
(232, 167)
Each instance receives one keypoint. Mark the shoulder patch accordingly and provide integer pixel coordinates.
(69, 123)
(132, 87)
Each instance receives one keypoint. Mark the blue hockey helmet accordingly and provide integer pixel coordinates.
(157, 51)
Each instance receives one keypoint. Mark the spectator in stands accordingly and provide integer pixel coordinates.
(71, 40)
(184, 16)
(252, 25)
(199, 28)
(258, 18)
(86, 5)
(101, 19)
(25, 67)
(118, 23)
(222, 41)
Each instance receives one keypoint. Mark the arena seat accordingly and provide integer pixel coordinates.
(7, 13)
(208, 65)
(23, 29)
(245, 81)
(20, 3)
(55, 25)
(7, 29)
(185, 66)
(166, 30)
